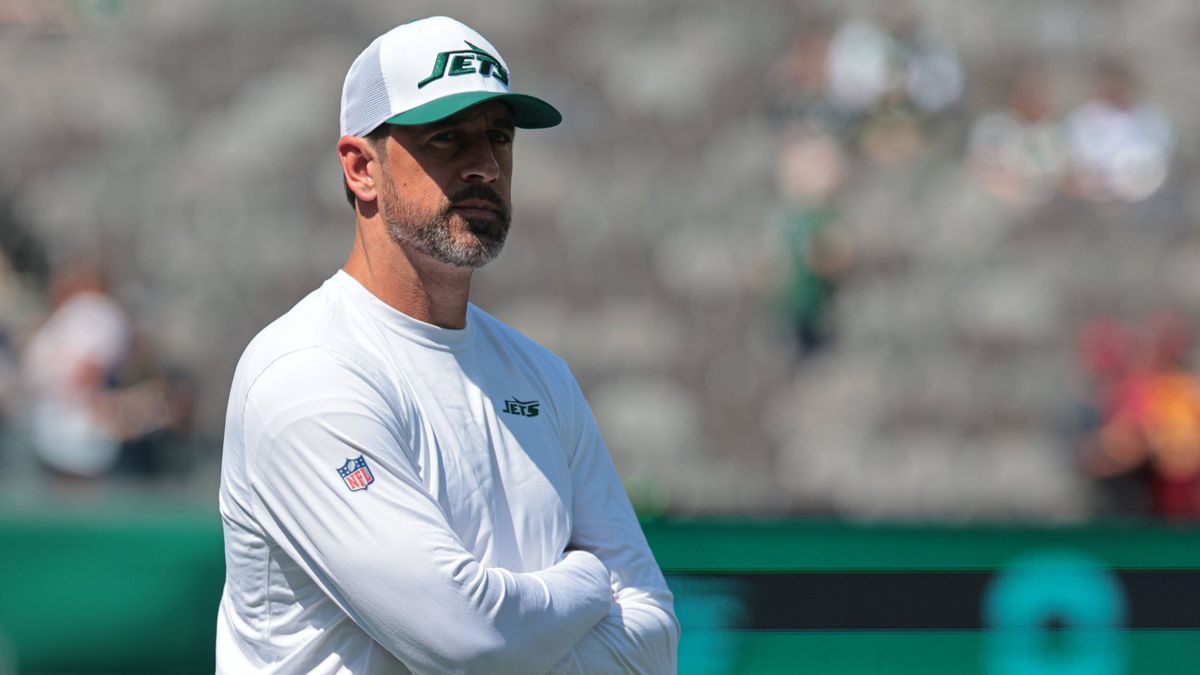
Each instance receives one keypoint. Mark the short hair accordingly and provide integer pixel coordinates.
(376, 135)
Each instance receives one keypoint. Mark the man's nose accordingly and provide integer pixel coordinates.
(481, 164)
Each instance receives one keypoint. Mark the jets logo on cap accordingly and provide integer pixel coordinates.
(465, 62)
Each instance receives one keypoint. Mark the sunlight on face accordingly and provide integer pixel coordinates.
(446, 186)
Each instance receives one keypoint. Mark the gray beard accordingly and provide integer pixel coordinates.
(432, 235)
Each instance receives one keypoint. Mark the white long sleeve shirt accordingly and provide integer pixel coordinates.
(483, 530)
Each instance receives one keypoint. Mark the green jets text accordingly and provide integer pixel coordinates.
(464, 62)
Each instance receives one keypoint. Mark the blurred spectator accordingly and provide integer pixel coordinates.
(151, 405)
(24, 254)
(104, 401)
(870, 64)
(66, 367)
(8, 377)
(8, 391)
(894, 75)
(1121, 145)
(1151, 418)
(812, 166)
(875, 83)
(812, 271)
(1018, 152)
(801, 84)
(1105, 351)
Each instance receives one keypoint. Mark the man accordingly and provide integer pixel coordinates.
(409, 485)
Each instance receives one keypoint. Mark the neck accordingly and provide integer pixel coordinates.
(409, 281)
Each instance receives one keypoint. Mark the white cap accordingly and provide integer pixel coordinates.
(428, 70)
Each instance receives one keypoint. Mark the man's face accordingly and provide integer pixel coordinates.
(446, 186)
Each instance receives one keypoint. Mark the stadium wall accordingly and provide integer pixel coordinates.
(130, 589)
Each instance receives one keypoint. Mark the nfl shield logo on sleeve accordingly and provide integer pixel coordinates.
(356, 474)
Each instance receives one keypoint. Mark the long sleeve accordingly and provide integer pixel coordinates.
(640, 634)
(386, 555)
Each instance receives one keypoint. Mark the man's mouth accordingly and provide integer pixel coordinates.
(477, 208)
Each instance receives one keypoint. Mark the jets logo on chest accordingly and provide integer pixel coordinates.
(515, 406)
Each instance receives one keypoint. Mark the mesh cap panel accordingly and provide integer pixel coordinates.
(365, 101)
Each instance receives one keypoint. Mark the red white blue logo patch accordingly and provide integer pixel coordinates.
(356, 474)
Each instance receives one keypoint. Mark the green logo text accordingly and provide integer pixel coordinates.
(516, 406)
(465, 62)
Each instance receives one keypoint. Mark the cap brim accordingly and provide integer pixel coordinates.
(528, 112)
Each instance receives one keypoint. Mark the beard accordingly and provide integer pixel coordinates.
(472, 244)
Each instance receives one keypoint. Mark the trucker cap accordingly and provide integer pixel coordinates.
(427, 70)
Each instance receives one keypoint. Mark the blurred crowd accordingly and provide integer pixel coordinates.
(944, 230)
(864, 259)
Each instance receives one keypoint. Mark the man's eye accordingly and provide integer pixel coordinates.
(501, 137)
(444, 137)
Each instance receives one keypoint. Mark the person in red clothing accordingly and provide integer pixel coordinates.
(1151, 418)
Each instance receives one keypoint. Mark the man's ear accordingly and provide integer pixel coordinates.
(357, 154)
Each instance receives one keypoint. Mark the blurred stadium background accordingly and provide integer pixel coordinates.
(858, 287)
